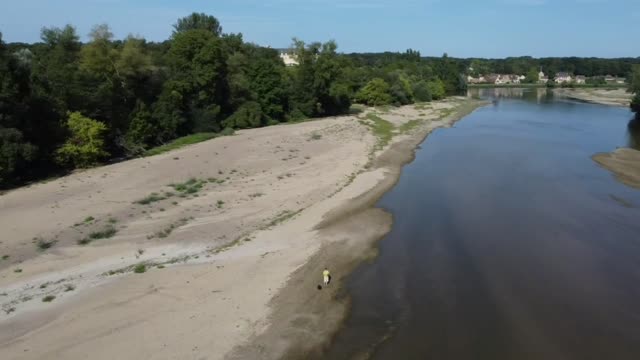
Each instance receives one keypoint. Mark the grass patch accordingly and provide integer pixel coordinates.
(256, 195)
(69, 287)
(382, 129)
(421, 106)
(112, 220)
(315, 136)
(219, 204)
(5, 257)
(48, 298)
(190, 186)
(282, 217)
(181, 142)
(140, 268)
(169, 229)
(105, 233)
(89, 219)
(17, 270)
(153, 197)
(409, 125)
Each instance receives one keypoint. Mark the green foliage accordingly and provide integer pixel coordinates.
(249, 115)
(183, 141)
(382, 129)
(532, 76)
(375, 93)
(85, 146)
(635, 104)
(198, 21)
(436, 89)
(140, 268)
(15, 154)
(422, 92)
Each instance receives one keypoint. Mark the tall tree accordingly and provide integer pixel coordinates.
(198, 21)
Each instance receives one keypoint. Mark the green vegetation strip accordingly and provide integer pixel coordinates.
(181, 142)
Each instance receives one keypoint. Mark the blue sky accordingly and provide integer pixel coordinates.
(462, 28)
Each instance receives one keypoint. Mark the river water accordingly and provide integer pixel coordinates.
(508, 242)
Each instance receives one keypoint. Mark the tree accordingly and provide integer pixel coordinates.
(532, 76)
(15, 155)
(436, 88)
(421, 91)
(85, 146)
(198, 21)
(375, 93)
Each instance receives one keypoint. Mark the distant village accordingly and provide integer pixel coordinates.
(560, 78)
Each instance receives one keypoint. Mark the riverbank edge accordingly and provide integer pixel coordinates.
(291, 333)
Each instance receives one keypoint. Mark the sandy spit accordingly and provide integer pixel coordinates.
(228, 269)
(624, 163)
(612, 97)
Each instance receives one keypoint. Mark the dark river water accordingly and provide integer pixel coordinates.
(508, 242)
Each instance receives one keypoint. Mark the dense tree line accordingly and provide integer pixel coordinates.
(634, 88)
(590, 67)
(65, 104)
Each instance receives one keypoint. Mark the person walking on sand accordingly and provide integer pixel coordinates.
(327, 276)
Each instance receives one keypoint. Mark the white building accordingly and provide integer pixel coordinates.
(563, 77)
(289, 59)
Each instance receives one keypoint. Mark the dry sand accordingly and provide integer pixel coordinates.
(624, 163)
(613, 97)
(231, 270)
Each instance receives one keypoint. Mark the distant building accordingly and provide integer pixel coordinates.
(542, 78)
(581, 79)
(563, 77)
(289, 58)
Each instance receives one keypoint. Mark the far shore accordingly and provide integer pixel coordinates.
(216, 248)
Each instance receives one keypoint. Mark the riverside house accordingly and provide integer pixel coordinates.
(563, 77)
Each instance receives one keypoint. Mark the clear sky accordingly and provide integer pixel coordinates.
(462, 28)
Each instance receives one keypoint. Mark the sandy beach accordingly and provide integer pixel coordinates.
(612, 97)
(211, 251)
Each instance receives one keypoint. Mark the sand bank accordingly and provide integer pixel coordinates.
(228, 257)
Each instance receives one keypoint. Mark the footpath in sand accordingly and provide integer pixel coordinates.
(211, 251)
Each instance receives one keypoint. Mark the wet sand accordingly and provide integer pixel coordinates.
(230, 270)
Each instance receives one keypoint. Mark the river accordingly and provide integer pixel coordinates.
(508, 242)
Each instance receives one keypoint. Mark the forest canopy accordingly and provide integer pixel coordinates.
(65, 104)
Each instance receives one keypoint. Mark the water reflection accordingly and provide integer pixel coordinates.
(538, 95)
(634, 133)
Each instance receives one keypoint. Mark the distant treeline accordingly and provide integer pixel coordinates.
(589, 67)
(65, 104)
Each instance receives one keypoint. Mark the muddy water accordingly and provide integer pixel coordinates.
(508, 242)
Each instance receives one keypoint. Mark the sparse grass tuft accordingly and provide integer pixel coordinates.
(69, 287)
(105, 233)
(183, 141)
(315, 136)
(169, 229)
(256, 195)
(48, 298)
(219, 204)
(112, 220)
(140, 268)
(5, 257)
(190, 186)
(17, 270)
(282, 217)
(89, 219)
(153, 197)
